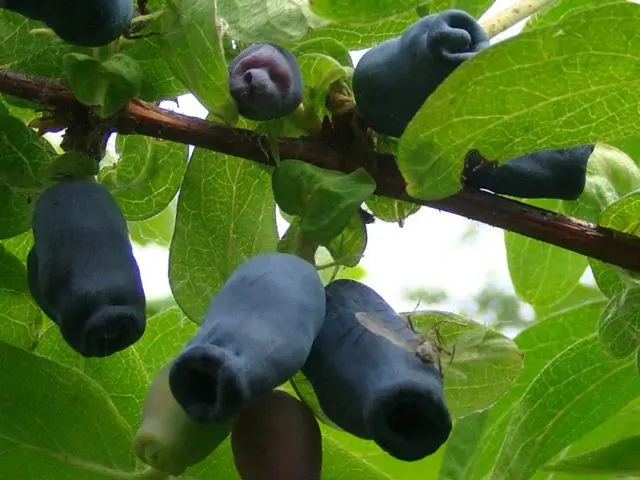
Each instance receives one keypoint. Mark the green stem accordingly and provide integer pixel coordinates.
(306, 120)
(297, 243)
(152, 474)
(273, 128)
(41, 31)
(336, 263)
(508, 17)
(150, 16)
(305, 248)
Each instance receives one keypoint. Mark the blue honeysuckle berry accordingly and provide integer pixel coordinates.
(82, 271)
(87, 23)
(371, 387)
(256, 335)
(265, 81)
(393, 79)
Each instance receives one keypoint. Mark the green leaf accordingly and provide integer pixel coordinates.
(157, 229)
(274, 21)
(76, 165)
(18, 108)
(166, 334)
(327, 46)
(356, 36)
(558, 11)
(624, 424)
(302, 388)
(346, 11)
(580, 295)
(21, 44)
(46, 63)
(340, 463)
(297, 243)
(159, 81)
(293, 183)
(192, 49)
(539, 343)
(618, 458)
(24, 155)
(611, 174)
(463, 442)
(478, 364)
(619, 327)
(16, 211)
(109, 84)
(126, 375)
(226, 214)
(324, 199)
(629, 145)
(583, 60)
(121, 375)
(318, 72)
(147, 176)
(20, 316)
(333, 204)
(58, 421)
(578, 383)
(19, 245)
(349, 246)
(327, 274)
(220, 462)
(553, 274)
(364, 459)
(391, 210)
(616, 167)
(621, 215)
(474, 7)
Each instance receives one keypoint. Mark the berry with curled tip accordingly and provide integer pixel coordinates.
(277, 437)
(167, 439)
(87, 23)
(81, 269)
(265, 81)
(394, 78)
(371, 387)
(558, 173)
(256, 335)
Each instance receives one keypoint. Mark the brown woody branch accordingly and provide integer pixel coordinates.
(141, 118)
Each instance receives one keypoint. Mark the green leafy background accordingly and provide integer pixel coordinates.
(561, 400)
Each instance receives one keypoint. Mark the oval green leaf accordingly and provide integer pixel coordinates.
(226, 214)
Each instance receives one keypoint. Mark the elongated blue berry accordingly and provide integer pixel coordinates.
(88, 23)
(370, 387)
(557, 173)
(256, 334)
(393, 79)
(82, 271)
